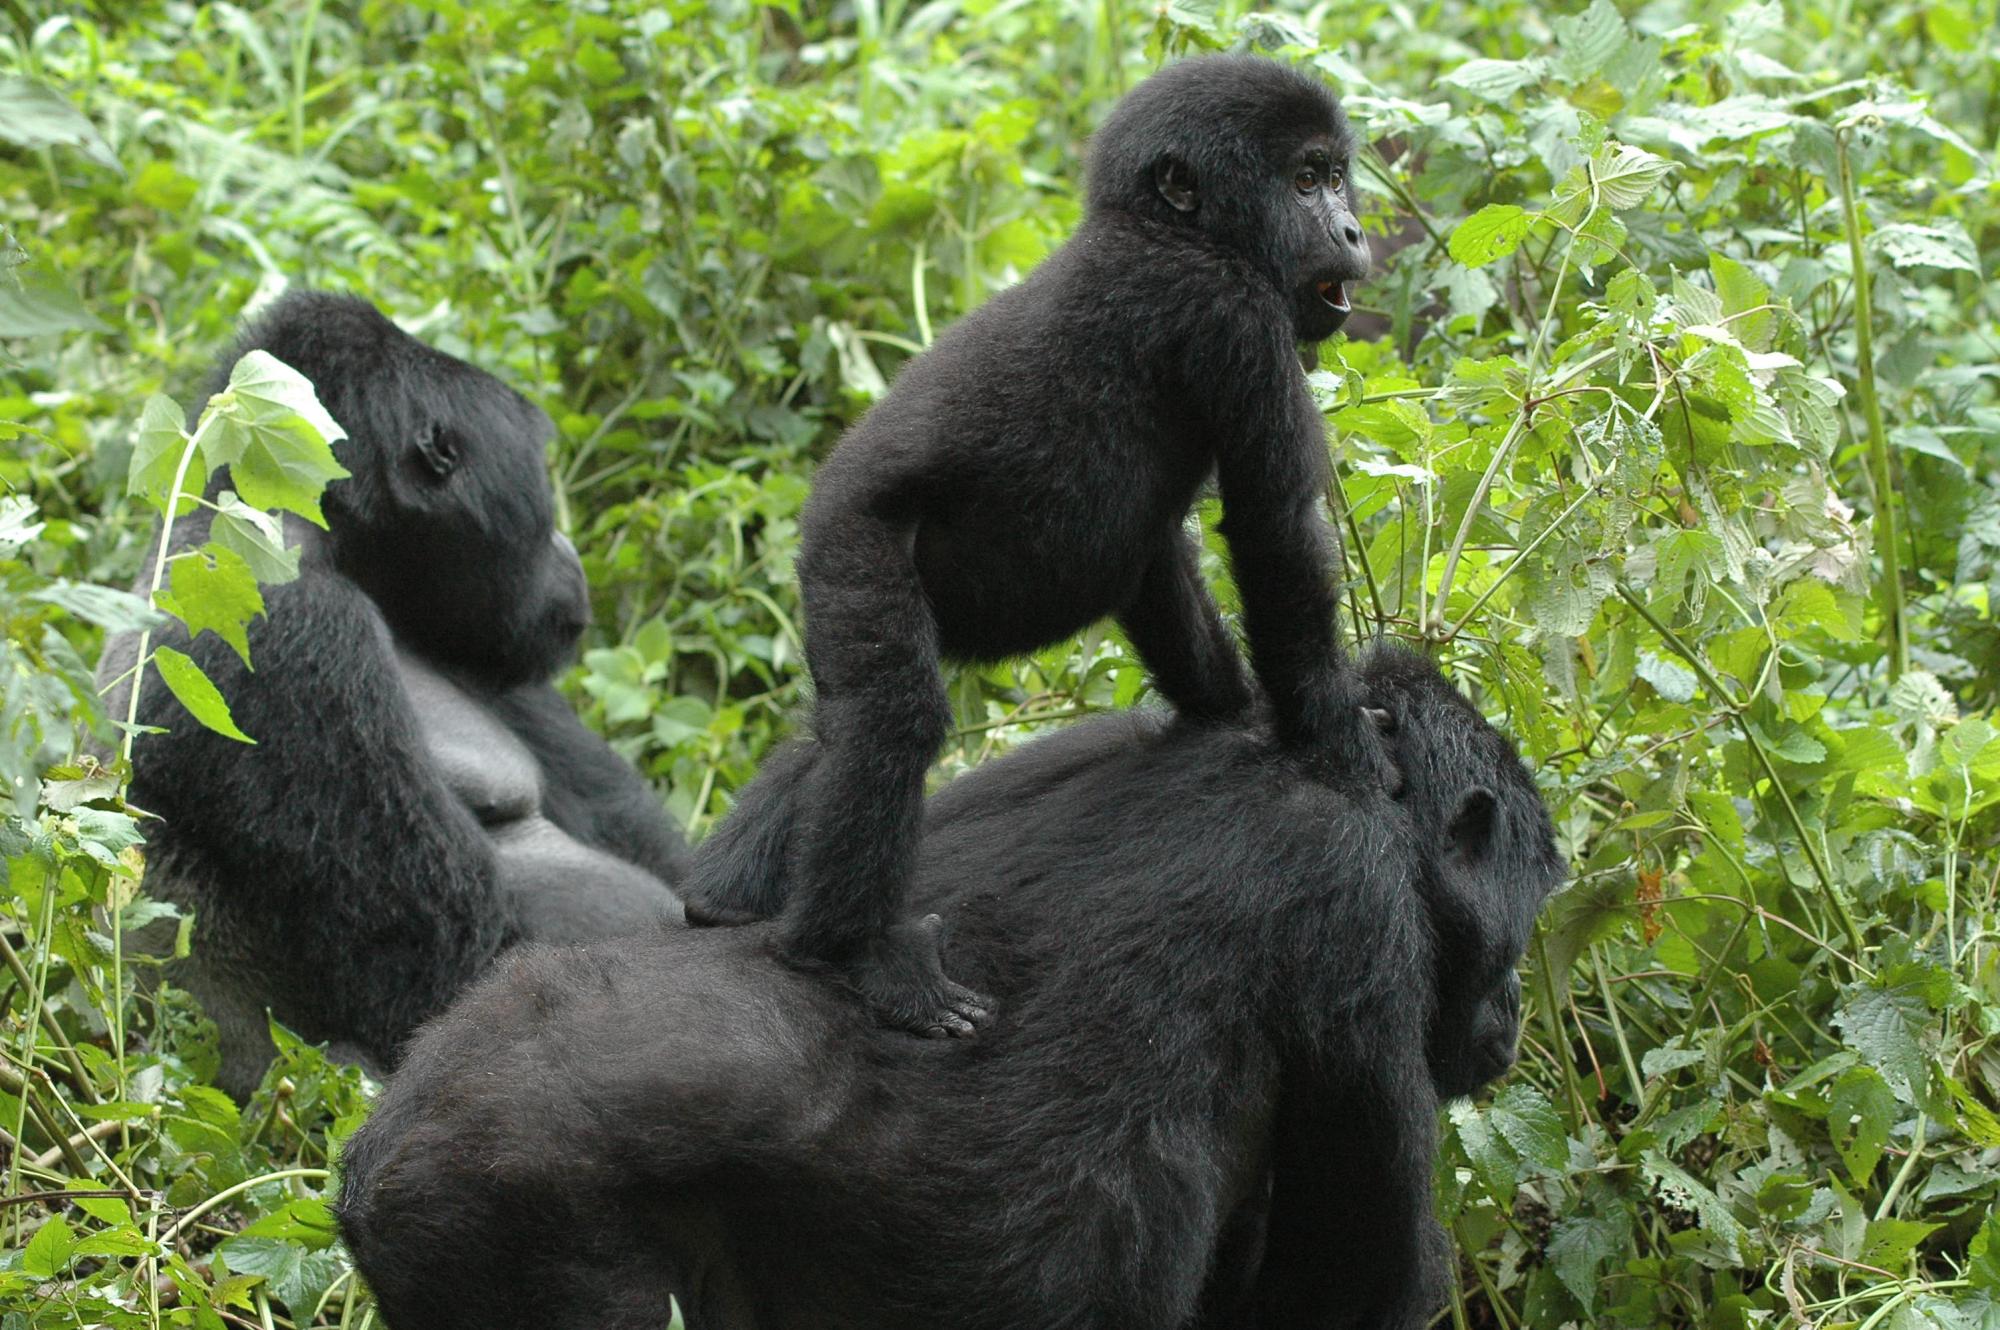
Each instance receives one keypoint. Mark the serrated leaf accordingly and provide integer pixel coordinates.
(48, 1252)
(1860, 1111)
(1670, 679)
(1530, 1123)
(1680, 1189)
(202, 698)
(213, 590)
(1493, 232)
(1625, 175)
(156, 457)
(1495, 80)
(1590, 41)
(1946, 245)
(1581, 1246)
(1891, 1027)
(275, 437)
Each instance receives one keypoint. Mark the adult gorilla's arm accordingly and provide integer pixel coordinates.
(587, 789)
(1350, 1240)
(334, 835)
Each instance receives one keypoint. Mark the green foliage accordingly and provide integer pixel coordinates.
(1674, 434)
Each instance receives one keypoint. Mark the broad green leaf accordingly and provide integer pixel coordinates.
(1891, 1026)
(1493, 232)
(257, 537)
(1679, 1188)
(156, 457)
(1859, 1119)
(1745, 302)
(110, 608)
(1946, 246)
(1983, 1265)
(34, 115)
(1589, 40)
(1495, 80)
(275, 437)
(1625, 175)
(1523, 1115)
(213, 590)
(195, 692)
(48, 1252)
(40, 303)
(1582, 1247)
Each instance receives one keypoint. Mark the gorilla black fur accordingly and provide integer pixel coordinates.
(418, 795)
(1233, 998)
(1031, 474)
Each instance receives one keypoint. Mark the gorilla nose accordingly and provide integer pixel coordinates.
(1351, 233)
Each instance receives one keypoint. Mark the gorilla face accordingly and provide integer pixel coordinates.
(447, 521)
(1498, 865)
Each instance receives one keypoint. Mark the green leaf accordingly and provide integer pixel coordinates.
(1493, 232)
(255, 536)
(1946, 246)
(1590, 41)
(202, 699)
(275, 437)
(40, 303)
(1531, 1125)
(1495, 80)
(1678, 1188)
(1983, 1265)
(1860, 1112)
(213, 590)
(1581, 1246)
(156, 457)
(1891, 1241)
(1744, 302)
(48, 1252)
(1625, 175)
(1891, 1025)
(34, 115)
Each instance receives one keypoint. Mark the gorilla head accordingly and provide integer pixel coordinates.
(1253, 152)
(1499, 864)
(447, 521)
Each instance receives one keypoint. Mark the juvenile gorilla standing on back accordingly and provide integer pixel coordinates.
(419, 795)
(1032, 473)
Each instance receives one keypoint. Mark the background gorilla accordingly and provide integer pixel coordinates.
(1031, 474)
(1233, 995)
(418, 795)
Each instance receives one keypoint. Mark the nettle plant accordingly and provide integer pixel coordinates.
(1675, 334)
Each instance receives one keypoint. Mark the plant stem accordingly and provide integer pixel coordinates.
(1897, 629)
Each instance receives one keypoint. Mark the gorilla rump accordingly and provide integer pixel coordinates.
(418, 795)
(1233, 996)
(1031, 474)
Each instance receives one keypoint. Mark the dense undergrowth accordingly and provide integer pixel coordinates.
(1675, 435)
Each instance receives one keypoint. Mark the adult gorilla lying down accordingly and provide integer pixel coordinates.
(1232, 998)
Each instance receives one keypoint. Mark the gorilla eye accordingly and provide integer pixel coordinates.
(1335, 179)
(439, 453)
(1306, 181)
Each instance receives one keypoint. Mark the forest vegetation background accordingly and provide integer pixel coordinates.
(1674, 434)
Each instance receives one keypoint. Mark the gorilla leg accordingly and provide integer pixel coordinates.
(741, 871)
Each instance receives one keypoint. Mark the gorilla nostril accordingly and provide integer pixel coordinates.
(1352, 234)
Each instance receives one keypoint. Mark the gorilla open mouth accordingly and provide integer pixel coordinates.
(1334, 295)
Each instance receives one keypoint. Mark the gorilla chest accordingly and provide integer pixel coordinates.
(480, 760)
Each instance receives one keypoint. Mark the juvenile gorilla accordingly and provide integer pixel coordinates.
(1032, 472)
(1233, 996)
(418, 796)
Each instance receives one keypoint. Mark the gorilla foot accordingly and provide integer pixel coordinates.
(901, 978)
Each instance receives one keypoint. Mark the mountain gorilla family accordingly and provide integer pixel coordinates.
(418, 795)
(1233, 997)
(1032, 472)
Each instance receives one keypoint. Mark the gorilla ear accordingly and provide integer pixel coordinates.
(1472, 824)
(1174, 179)
(440, 454)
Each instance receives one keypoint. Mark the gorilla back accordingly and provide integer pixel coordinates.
(418, 795)
(1208, 959)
